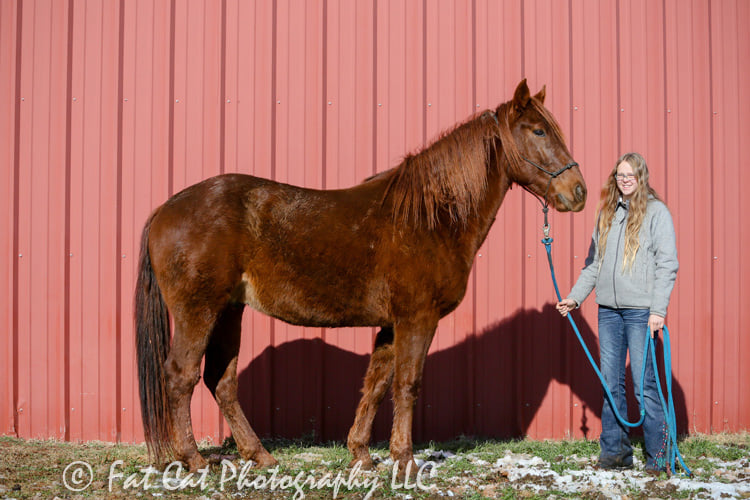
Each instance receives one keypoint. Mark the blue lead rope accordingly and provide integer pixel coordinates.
(667, 406)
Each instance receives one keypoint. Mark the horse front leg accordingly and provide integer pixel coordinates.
(378, 380)
(411, 343)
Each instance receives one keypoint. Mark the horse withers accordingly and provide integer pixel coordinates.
(393, 252)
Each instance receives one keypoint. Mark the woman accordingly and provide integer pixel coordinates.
(632, 264)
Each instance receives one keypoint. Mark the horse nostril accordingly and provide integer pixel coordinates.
(580, 193)
(565, 202)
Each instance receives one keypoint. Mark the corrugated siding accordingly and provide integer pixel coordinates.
(112, 106)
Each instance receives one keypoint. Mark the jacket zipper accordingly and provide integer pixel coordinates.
(617, 259)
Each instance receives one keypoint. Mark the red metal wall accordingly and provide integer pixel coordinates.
(109, 107)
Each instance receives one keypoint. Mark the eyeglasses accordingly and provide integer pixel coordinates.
(625, 177)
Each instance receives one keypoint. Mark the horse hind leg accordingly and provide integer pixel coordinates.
(220, 376)
(378, 380)
(182, 369)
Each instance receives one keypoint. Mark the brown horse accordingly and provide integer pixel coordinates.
(393, 252)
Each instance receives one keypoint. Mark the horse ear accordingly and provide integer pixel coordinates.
(541, 95)
(521, 97)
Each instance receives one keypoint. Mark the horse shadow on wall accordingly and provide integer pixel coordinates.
(489, 385)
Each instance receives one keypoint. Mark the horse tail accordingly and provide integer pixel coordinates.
(152, 346)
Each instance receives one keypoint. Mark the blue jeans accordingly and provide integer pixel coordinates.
(620, 330)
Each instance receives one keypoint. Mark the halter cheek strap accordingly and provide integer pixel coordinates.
(552, 174)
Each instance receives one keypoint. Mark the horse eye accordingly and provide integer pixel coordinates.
(539, 132)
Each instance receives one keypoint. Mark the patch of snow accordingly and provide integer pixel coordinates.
(530, 473)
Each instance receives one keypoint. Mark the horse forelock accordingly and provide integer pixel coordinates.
(554, 127)
(449, 176)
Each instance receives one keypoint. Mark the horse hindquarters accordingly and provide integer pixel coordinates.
(167, 374)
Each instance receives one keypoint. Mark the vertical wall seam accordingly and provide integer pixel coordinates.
(236, 97)
(665, 76)
(323, 96)
(523, 205)
(712, 198)
(742, 124)
(471, 389)
(424, 71)
(16, 207)
(50, 354)
(204, 84)
(523, 39)
(519, 339)
(374, 168)
(322, 415)
(222, 136)
(32, 172)
(119, 221)
(618, 76)
(419, 412)
(571, 235)
(223, 104)
(274, 76)
(67, 229)
(172, 42)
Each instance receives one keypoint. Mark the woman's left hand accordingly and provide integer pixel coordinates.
(655, 323)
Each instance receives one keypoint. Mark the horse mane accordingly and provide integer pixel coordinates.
(448, 176)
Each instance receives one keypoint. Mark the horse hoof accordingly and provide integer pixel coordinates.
(265, 461)
(407, 468)
(196, 463)
(364, 463)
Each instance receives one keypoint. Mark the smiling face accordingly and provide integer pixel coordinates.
(627, 181)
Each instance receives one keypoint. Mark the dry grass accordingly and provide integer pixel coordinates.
(35, 469)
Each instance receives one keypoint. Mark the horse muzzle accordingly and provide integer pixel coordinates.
(574, 202)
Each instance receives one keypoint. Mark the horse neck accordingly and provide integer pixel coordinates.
(472, 234)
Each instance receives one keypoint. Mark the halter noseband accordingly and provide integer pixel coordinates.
(552, 175)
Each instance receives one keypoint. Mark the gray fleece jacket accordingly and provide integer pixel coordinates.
(648, 284)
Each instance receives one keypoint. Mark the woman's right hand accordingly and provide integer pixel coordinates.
(565, 306)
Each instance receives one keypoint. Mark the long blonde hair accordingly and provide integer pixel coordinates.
(637, 209)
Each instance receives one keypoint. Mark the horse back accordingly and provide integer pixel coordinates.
(309, 257)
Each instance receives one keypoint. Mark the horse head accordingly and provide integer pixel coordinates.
(537, 156)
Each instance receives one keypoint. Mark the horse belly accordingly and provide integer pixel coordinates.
(323, 307)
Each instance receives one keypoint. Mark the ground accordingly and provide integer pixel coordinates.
(465, 468)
